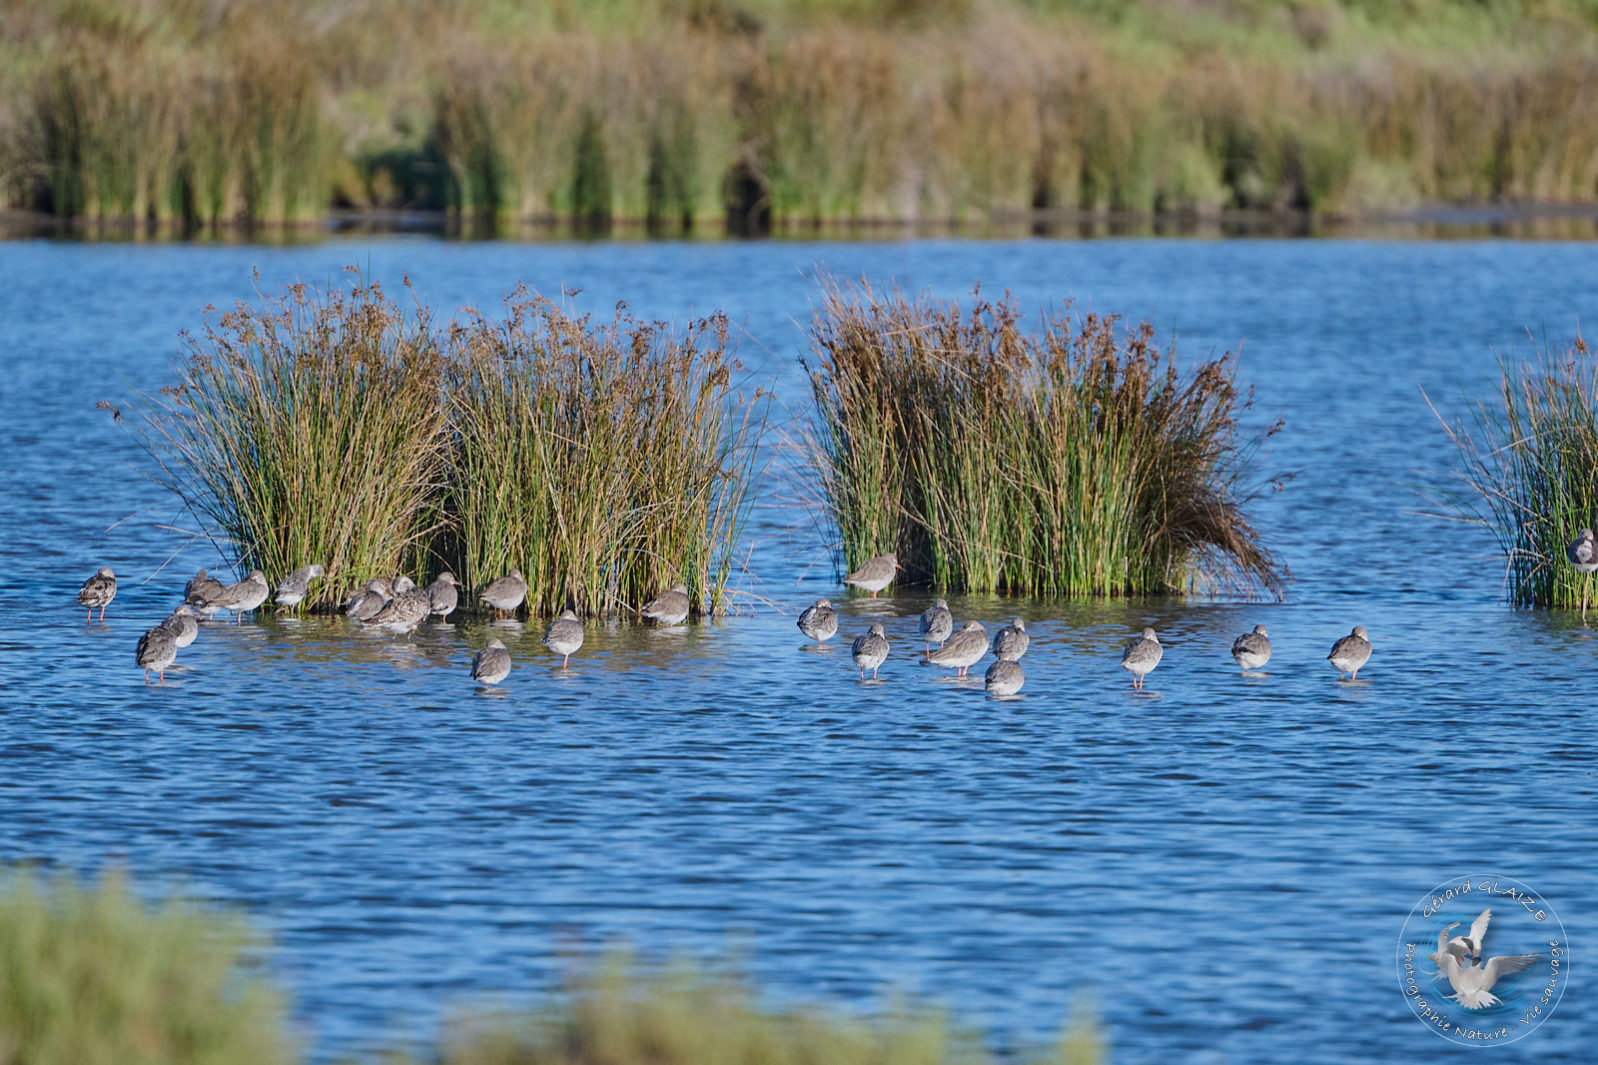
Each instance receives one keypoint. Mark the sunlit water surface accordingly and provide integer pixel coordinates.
(1222, 865)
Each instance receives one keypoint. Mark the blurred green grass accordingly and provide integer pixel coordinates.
(91, 974)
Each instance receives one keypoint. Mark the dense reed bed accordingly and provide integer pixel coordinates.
(308, 428)
(750, 113)
(1528, 471)
(1074, 459)
(92, 975)
(606, 460)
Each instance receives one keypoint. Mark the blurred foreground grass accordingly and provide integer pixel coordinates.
(90, 974)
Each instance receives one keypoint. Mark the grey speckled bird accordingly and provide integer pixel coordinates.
(158, 649)
(1141, 656)
(364, 604)
(870, 650)
(408, 609)
(292, 590)
(183, 625)
(936, 623)
(1350, 653)
(444, 595)
(819, 621)
(1583, 555)
(564, 636)
(874, 574)
(962, 650)
(98, 591)
(506, 594)
(1252, 649)
(492, 663)
(670, 607)
(242, 597)
(201, 588)
(1011, 642)
(1004, 677)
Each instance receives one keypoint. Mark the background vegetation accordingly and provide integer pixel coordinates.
(1528, 471)
(1071, 459)
(90, 974)
(757, 112)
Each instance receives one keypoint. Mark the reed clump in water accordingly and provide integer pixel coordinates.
(311, 428)
(682, 1015)
(92, 975)
(606, 460)
(1530, 469)
(1074, 460)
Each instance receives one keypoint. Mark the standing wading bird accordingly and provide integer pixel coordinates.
(962, 650)
(443, 595)
(1011, 642)
(874, 574)
(492, 663)
(157, 649)
(936, 623)
(243, 596)
(564, 636)
(183, 625)
(870, 650)
(669, 607)
(1473, 983)
(1252, 649)
(506, 593)
(1350, 653)
(98, 591)
(1141, 656)
(201, 589)
(293, 589)
(408, 609)
(1004, 677)
(819, 621)
(1583, 555)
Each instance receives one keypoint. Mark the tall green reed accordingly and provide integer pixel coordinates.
(92, 975)
(1071, 460)
(310, 428)
(606, 460)
(1528, 472)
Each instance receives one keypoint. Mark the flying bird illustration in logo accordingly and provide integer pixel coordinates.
(1473, 983)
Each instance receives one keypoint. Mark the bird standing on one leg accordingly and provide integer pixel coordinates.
(1583, 555)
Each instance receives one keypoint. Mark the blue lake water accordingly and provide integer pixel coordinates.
(1223, 866)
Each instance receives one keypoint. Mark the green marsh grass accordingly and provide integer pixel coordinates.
(310, 428)
(606, 460)
(803, 111)
(92, 975)
(1528, 472)
(1074, 459)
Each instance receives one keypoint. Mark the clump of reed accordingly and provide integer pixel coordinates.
(1071, 460)
(308, 428)
(617, 1014)
(606, 460)
(1529, 472)
(92, 975)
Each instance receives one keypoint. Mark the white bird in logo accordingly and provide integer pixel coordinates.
(1473, 983)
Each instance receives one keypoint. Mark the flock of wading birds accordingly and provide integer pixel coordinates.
(398, 606)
